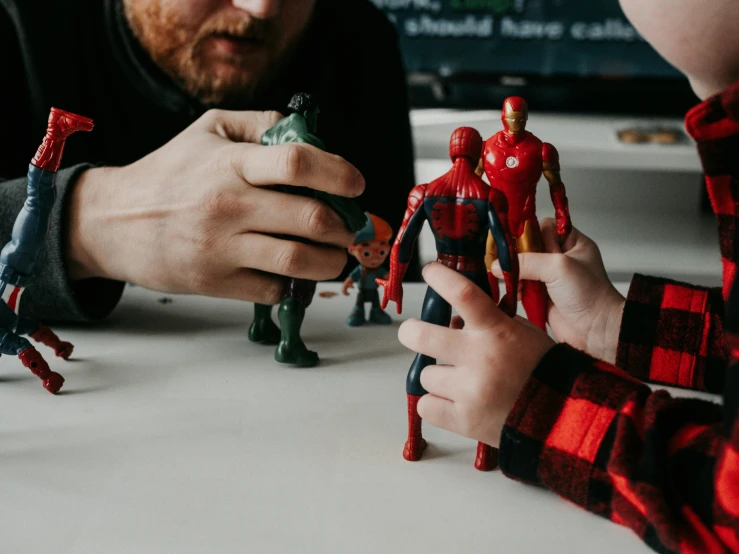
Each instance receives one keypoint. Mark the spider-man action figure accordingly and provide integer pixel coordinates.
(513, 160)
(461, 209)
(19, 256)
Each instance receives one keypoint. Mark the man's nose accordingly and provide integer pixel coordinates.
(260, 9)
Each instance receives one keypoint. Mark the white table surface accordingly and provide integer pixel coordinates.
(174, 434)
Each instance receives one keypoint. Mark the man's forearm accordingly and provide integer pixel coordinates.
(51, 295)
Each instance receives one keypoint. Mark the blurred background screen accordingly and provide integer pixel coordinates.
(563, 55)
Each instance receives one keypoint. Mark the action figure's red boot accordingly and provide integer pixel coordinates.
(47, 337)
(487, 457)
(31, 358)
(61, 125)
(416, 444)
(534, 300)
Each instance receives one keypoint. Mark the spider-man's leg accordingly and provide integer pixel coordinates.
(491, 254)
(487, 456)
(435, 310)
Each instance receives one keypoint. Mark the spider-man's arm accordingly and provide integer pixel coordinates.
(506, 244)
(400, 256)
(550, 157)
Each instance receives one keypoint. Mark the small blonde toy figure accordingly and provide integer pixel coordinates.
(371, 248)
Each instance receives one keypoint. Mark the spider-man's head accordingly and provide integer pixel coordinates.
(466, 142)
(515, 114)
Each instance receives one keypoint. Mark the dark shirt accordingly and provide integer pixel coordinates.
(81, 56)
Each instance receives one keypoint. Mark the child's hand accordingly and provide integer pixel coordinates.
(491, 359)
(585, 308)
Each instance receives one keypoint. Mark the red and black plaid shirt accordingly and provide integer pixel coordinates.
(667, 468)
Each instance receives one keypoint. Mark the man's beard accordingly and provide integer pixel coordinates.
(179, 50)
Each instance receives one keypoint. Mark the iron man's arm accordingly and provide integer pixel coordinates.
(402, 251)
(550, 158)
(506, 245)
(481, 163)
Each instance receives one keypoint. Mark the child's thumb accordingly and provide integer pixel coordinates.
(534, 266)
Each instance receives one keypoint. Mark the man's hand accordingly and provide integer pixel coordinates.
(585, 309)
(491, 356)
(197, 216)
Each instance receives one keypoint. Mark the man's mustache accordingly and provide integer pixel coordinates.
(245, 29)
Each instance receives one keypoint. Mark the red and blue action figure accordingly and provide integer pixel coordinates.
(19, 256)
(461, 209)
(371, 248)
(513, 160)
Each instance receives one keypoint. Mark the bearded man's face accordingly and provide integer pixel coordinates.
(219, 51)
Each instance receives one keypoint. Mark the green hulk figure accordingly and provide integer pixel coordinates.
(299, 126)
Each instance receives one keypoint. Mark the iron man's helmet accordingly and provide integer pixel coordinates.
(466, 142)
(515, 114)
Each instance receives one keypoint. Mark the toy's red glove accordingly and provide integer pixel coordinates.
(561, 211)
(393, 291)
(564, 223)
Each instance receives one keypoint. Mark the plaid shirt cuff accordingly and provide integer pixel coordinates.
(553, 435)
(672, 334)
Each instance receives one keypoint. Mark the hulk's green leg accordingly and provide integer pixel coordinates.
(263, 329)
(292, 349)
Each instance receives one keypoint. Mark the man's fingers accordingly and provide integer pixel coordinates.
(428, 339)
(473, 305)
(239, 126)
(439, 412)
(299, 165)
(278, 213)
(441, 381)
(286, 257)
(250, 286)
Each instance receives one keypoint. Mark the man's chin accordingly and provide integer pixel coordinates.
(224, 83)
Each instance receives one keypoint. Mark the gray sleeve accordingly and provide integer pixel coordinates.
(50, 296)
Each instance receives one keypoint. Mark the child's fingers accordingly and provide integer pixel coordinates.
(549, 236)
(535, 266)
(474, 306)
(431, 340)
(456, 323)
(551, 240)
(439, 412)
(441, 381)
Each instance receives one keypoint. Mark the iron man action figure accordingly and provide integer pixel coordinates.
(461, 209)
(514, 160)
